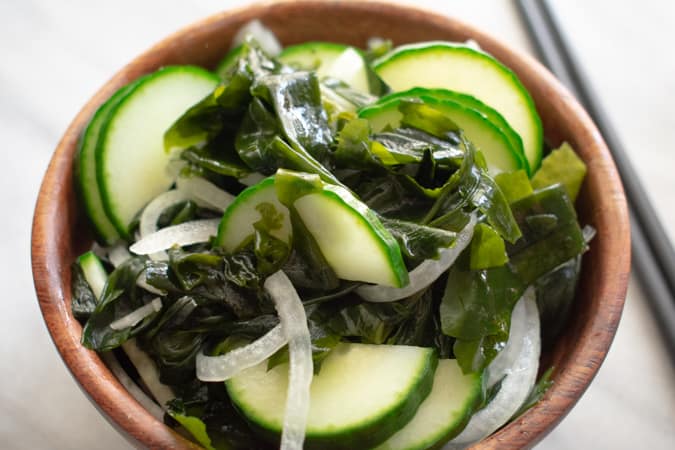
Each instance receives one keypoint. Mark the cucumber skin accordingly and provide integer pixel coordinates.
(87, 195)
(122, 229)
(469, 102)
(518, 161)
(411, 49)
(228, 61)
(386, 241)
(242, 198)
(287, 55)
(368, 435)
(479, 397)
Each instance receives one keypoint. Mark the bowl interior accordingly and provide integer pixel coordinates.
(59, 229)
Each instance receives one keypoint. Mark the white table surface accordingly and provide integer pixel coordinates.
(55, 55)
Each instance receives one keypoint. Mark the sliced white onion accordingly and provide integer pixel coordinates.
(142, 282)
(424, 274)
(517, 369)
(251, 179)
(137, 315)
(205, 193)
(262, 35)
(144, 365)
(133, 389)
(118, 254)
(294, 322)
(187, 233)
(148, 372)
(148, 221)
(224, 367)
(154, 209)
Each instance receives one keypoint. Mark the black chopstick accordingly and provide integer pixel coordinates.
(652, 249)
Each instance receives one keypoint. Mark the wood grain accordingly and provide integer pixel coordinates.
(59, 233)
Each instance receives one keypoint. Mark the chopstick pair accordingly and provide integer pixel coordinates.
(653, 255)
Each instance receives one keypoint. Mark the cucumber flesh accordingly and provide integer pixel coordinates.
(93, 271)
(474, 104)
(85, 169)
(311, 55)
(362, 395)
(236, 226)
(494, 145)
(228, 61)
(330, 60)
(131, 161)
(461, 68)
(444, 413)
(351, 68)
(351, 238)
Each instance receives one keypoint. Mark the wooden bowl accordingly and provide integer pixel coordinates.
(59, 233)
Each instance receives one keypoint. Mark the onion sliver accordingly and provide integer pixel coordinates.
(252, 178)
(262, 35)
(205, 193)
(423, 275)
(148, 372)
(517, 370)
(301, 368)
(224, 367)
(148, 221)
(142, 282)
(187, 233)
(137, 315)
(154, 209)
(118, 254)
(133, 389)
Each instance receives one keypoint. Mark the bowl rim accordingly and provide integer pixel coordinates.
(51, 278)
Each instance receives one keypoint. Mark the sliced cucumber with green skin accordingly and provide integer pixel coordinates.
(330, 60)
(130, 158)
(494, 145)
(311, 55)
(229, 60)
(236, 226)
(473, 103)
(93, 271)
(464, 69)
(362, 395)
(85, 169)
(444, 413)
(350, 236)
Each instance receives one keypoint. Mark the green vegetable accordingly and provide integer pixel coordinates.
(120, 297)
(487, 248)
(477, 304)
(335, 187)
(396, 386)
(460, 68)
(563, 166)
(515, 185)
(350, 236)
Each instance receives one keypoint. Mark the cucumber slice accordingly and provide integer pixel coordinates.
(131, 161)
(236, 226)
(311, 55)
(93, 271)
(350, 236)
(494, 145)
(85, 169)
(474, 104)
(444, 413)
(229, 60)
(460, 68)
(362, 395)
(330, 60)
